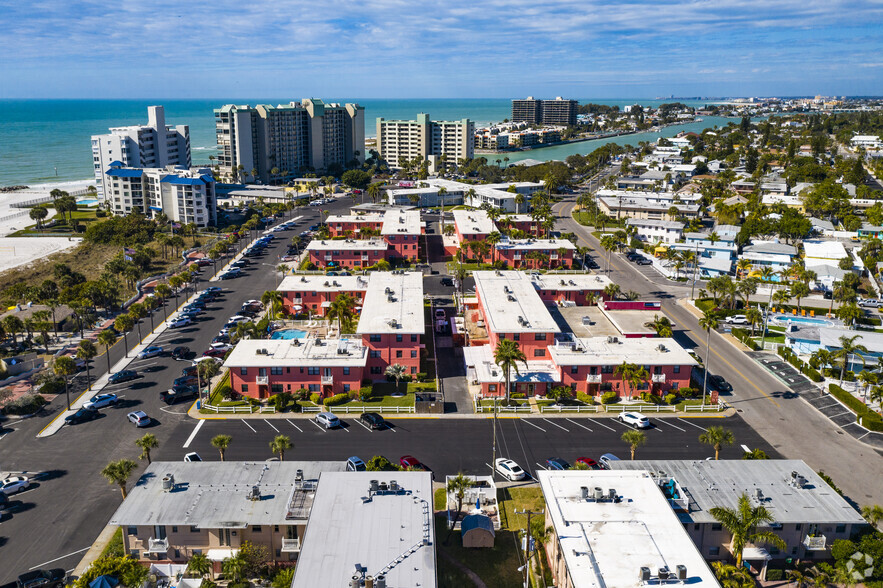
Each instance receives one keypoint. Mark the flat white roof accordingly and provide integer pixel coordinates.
(316, 283)
(396, 222)
(473, 222)
(819, 249)
(481, 361)
(386, 533)
(297, 352)
(616, 350)
(536, 244)
(570, 282)
(393, 304)
(508, 296)
(649, 222)
(354, 218)
(606, 543)
(347, 245)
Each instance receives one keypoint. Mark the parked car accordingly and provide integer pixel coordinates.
(439, 313)
(355, 464)
(221, 339)
(53, 578)
(327, 420)
(139, 417)
(869, 302)
(632, 256)
(230, 274)
(214, 289)
(644, 261)
(179, 393)
(509, 469)
(447, 282)
(181, 352)
(737, 319)
(14, 484)
(186, 381)
(719, 383)
(149, 352)
(219, 353)
(192, 457)
(122, 376)
(409, 461)
(588, 462)
(372, 420)
(556, 463)
(634, 419)
(101, 400)
(190, 370)
(82, 415)
(605, 460)
(182, 321)
(202, 262)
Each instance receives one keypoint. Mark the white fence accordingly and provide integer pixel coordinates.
(575, 408)
(706, 407)
(484, 408)
(239, 409)
(640, 408)
(360, 409)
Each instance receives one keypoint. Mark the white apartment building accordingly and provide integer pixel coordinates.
(152, 145)
(185, 196)
(426, 139)
(309, 135)
(653, 231)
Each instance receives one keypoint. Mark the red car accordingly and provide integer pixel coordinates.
(215, 353)
(588, 461)
(411, 462)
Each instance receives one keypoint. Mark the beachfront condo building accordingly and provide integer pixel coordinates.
(155, 144)
(428, 140)
(183, 195)
(267, 143)
(545, 112)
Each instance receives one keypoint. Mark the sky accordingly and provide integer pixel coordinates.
(442, 49)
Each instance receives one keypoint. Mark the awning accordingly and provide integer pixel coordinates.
(296, 307)
(755, 553)
(221, 553)
(326, 304)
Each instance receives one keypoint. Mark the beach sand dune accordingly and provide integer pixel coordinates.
(16, 251)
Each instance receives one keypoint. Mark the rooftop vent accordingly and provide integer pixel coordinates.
(255, 493)
(392, 323)
(612, 339)
(661, 348)
(168, 483)
(512, 298)
(681, 571)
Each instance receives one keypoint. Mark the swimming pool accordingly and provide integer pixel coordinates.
(289, 334)
(784, 320)
(88, 202)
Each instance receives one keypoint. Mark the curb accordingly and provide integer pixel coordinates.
(97, 548)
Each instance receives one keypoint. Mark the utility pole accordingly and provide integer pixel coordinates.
(528, 548)
(494, 447)
(695, 267)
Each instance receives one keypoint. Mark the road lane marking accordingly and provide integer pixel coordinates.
(293, 425)
(670, 425)
(580, 425)
(746, 449)
(692, 424)
(271, 425)
(557, 425)
(526, 421)
(249, 426)
(58, 558)
(193, 434)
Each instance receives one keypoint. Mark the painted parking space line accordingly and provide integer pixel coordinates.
(271, 425)
(691, 424)
(364, 426)
(60, 558)
(320, 427)
(557, 425)
(249, 426)
(668, 423)
(746, 449)
(580, 425)
(193, 434)
(527, 421)
(600, 424)
(293, 425)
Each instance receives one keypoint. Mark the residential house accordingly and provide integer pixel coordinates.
(655, 231)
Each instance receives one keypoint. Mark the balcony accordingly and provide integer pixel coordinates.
(262, 380)
(658, 378)
(593, 378)
(290, 545)
(553, 256)
(157, 545)
(816, 543)
(297, 300)
(327, 380)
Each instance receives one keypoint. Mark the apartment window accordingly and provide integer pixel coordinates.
(256, 529)
(398, 338)
(375, 353)
(516, 337)
(243, 371)
(714, 551)
(413, 353)
(174, 529)
(696, 527)
(539, 353)
(194, 529)
(134, 553)
(276, 388)
(840, 529)
(574, 369)
(798, 526)
(398, 353)
(539, 337)
(275, 371)
(131, 530)
(677, 369)
(346, 388)
(375, 369)
(275, 528)
(716, 527)
(374, 338)
(346, 371)
(593, 370)
(245, 388)
(413, 338)
(607, 369)
(313, 387)
(413, 370)
(312, 371)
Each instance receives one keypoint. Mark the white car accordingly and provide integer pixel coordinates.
(151, 351)
(180, 322)
(222, 346)
(869, 302)
(635, 419)
(737, 319)
(238, 318)
(14, 484)
(101, 400)
(192, 457)
(328, 420)
(139, 417)
(509, 469)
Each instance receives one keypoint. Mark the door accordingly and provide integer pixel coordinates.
(159, 532)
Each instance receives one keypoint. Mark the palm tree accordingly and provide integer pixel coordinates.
(611, 291)
(457, 486)
(86, 351)
(272, 299)
(709, 321)
(873, 514)
(848, 346)
(609, 243)
(849, 313)
(634, 439)
(661, 325)
(732, 577)
(755, 453)
(65, 366)
(507, 354)
(221, 443)
(234, 567)
(343, 308)
(124, 324)
(867, 378)
(283, 268)
(755, 317)
(199, 564)
(492, 239)
(137, 312)
(743, 266)
(742, 523)
(107, 338)
(717, 437)
(397, 372)
(632, 374)
(118, 472)
(280, 444)
(146, 443)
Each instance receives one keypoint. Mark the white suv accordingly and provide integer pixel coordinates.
(327, 420)
(737, 319)
(635, 419)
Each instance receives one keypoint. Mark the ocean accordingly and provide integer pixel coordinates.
(43, 141)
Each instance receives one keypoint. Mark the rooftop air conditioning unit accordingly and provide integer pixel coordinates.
(661, 348)
(511, 298)
(392, 323)
(255, 493)
(612, 339)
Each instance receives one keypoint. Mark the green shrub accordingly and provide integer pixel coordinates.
(226, 392)
(314, 397)
(518, 395)
(849, 376)
(336, 400)
(774, 575)
(872, 421)
(421, 376)
(609, 397)
(812, 374)
(27, 404)
(841, 549)
(100, 213)
(687, 392)
(848, 399)
(585, 398)
(671, 399)
(302, 394)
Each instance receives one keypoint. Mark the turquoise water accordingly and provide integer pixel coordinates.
(88, 202)
(49, 140)
(797, 319)
(289, 334)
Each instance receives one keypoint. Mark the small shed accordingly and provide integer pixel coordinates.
(477, 530)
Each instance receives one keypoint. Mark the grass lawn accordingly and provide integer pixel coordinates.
(689, 402)
(115, 547)
(84, 214)
(771, 339)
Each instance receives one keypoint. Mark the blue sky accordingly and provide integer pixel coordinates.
(443, 49)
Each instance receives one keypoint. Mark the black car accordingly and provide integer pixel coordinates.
(81, 416)
(632, 256)
(186, 381)
(53, 578)
(447, 282)
(221, 339)
(719, 384)
(179, 394)
(122, 376)
(373, 420)
(182, 352)
(190, 371)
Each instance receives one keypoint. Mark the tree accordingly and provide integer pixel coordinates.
(848, 346)
(849, 313)
(234, 567)
(118, 472)
(798, 291)
(107, 338)
(221, 443)
(125, 568)
(124, 324)
(730, 576)
(457, 486)
(273, 300)
(634, 439)
(742, 523)
(343, 308)
(199, 564)
(146, 443)
(283, 578)
(755, 317)
(632, 374)
(356, 179)
(86, 351)
(38, 213)
(138, 312)
(280, 444)
(507, 354)
(396, 371)
(65, 366)
(611, 291)
(661, 325)
(755, 454)
(873, 514)
(717, 437)
(709, 322)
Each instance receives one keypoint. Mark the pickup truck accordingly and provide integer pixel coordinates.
(53, 578)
